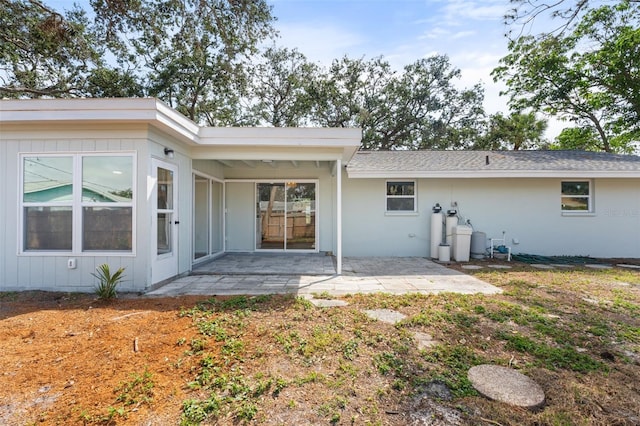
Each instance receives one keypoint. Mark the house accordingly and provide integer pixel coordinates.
(133, 183)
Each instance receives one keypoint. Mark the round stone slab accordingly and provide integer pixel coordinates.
(506, 385)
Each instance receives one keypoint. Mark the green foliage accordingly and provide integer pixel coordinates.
(194, 412)
(138, 390)
(418, 108)
(588, 74)
(43, 52)
(106, 288)
(281, 88)
(582, 138)
(565, 357)
(518, 131)
(201, 58)
(452, 364)
(332, 409)
(388, 362)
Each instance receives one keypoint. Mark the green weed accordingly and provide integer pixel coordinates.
(388, 362)
(564, 357)
(451, 364)
(138, 390)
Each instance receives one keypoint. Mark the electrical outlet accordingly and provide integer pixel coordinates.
(71, 264)
(454, 204)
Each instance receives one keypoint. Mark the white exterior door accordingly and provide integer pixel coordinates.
(164, 221)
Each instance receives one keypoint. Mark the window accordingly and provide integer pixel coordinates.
(401, 196)
(576, 196)
(77, 202)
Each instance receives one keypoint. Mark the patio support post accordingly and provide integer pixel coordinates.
(339, 217)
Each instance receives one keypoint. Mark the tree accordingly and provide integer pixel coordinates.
(418, 108)
(565, 13)
(338, 94)
(590, 76)
(190, 53)
(577, 138)
(516, 132)
(45, 53)
(279, 90)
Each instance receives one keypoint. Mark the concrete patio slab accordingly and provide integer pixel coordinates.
(367, 275)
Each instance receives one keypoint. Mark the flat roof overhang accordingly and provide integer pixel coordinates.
(237, 143)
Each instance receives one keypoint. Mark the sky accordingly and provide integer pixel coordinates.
(470, 32)
(403, 31)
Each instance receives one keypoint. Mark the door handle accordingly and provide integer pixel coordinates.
(176, 222)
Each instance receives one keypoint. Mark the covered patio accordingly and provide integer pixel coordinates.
(272, 273)
(268, 264)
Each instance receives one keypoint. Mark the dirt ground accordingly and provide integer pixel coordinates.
(64, 355)
(71, 359)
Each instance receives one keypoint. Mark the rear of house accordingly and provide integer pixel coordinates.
(132, 183)
(569, 203)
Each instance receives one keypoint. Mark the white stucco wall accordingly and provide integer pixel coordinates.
(527, 209)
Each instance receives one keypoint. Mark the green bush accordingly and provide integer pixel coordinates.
(106, 288)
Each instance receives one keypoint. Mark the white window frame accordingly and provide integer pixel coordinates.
(77, 205)
(590, 198)
(414, 196)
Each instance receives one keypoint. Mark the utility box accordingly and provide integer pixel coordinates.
(461, 243)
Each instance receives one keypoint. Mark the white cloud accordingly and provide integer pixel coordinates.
(320, 41)
(456, 12)
(462, 34)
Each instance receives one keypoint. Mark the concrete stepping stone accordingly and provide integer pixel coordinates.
(506, 385)
(541, 266)
(500, 266)
(624, 265)
(424, 340)
(328, 303)
(385, 315)
(597, 266)
(471, 267)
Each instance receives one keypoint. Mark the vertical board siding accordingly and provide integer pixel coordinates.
(50, 271)
(4, 182)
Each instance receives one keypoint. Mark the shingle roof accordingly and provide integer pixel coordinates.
(491, 164)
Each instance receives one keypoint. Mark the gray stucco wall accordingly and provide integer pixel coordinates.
(240, 201)
(527, 209)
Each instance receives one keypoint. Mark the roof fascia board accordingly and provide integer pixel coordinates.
(267, 153)
(176, 122)
(492, 174)
(145, 110)
(157, 114)
(346, 139)
(230, 133)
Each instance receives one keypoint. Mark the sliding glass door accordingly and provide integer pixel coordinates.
(207, 217)
(286, 216)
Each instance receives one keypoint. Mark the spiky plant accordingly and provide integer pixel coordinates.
(106, 288)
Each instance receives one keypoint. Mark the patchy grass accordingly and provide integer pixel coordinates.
(281, 360)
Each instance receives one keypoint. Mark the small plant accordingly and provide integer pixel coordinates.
(139, 390)
(106, 289)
